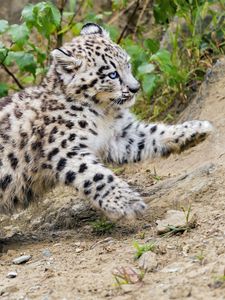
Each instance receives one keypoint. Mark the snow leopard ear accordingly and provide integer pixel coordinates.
(66, 59)
(92, 28)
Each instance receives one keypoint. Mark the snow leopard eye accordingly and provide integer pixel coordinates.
(113, 75)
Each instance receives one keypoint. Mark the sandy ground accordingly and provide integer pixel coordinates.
(71, 261)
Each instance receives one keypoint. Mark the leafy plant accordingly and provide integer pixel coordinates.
(3, 89)
(154, 175)
(169, 70)
(22, 52)
(43, 16)
(172, 230)
(102, 226)
(219, 281)
(141, 249)
(187, 213)
(127, 275)
(200, 257)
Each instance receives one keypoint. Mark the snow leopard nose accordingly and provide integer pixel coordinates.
(134, 88)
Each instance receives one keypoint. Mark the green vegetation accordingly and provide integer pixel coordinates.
(221, 278)
(170, 56)
(102, 226)
(141, 249)
(172, 230)
(200, 257)
(128, 275)
(219, 281)
(190, 223)
(187, 213)
(154, 175)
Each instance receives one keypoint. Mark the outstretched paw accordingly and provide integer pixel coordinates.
(122, 202)
(183, 136)
(197, 131)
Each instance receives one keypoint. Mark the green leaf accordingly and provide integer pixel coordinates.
(146, 69)
(164, 10)
(3, 26)
(162, 57)
(3, 53)
(41, 71)
(141, 249)
(93, 17)
(172, 73)
(55, 15)
(204, 10)
(25, 61)
(27, 14)
(19, 33)
(27, 80)
(137, 53)
(113, 32)
(119, 4)
(150, 83)
(152, 45)
(44, 16)
(77, 28)
(40, 54)
(3, 90)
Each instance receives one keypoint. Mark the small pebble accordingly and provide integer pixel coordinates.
(21, 259)
(11, 275)
(176, 219)
(78, 250)
(46, 253)
(77, 244)
(148, 261)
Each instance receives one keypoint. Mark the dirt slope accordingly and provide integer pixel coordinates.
(69, 261)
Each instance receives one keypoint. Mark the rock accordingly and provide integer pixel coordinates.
(46, 253)
(11, 275)
(79, 250)
(77, 244)
(148, 261)
(21, 259)
(175, 218)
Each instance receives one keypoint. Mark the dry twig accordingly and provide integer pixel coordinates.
(61, 6)
(10, 73)
(118, 15)
(141, 15)
(128, 22)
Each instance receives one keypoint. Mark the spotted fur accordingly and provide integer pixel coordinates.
(62, 130)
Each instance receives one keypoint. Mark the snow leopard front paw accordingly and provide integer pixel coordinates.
(184, 136)
(122, 202)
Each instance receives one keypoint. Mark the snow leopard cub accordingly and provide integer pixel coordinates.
(62, 130)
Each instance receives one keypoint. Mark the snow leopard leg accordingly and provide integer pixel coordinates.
(107, 192)
(139, 141)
